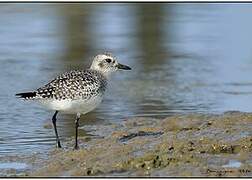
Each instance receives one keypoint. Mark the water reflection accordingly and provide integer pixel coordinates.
(75, 31)
(185, 58)
(150, 30)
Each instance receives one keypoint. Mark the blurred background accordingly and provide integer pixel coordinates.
(185, 58)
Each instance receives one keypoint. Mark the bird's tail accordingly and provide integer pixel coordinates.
(26, 95)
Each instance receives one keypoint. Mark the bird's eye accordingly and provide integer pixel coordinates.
(108, 60)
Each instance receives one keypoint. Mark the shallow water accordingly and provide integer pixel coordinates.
(13, 165)
(232, 164)
(184, 57)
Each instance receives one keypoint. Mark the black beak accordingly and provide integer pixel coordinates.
(124, 67)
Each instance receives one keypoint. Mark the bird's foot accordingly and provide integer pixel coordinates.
(76, 147)
(58, 145)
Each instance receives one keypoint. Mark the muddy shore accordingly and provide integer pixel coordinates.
(181, 145)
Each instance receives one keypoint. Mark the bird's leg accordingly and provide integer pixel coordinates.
(76, 130)
(55, 129)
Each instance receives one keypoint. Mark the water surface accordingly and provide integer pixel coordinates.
(185, 58)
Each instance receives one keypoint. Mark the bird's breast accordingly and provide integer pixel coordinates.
(82, 106)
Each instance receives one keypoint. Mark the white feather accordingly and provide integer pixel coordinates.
(72, 106)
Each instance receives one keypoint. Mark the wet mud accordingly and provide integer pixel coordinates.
(181, 145)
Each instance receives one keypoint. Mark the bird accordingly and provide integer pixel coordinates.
(77, 91)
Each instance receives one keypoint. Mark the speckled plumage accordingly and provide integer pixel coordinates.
(77, 91)
(73, 85)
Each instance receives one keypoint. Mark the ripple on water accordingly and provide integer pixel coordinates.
(13, 165)
(233, 164)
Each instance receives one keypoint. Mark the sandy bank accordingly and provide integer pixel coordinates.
(182, 145)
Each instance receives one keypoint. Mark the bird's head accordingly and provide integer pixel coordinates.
(106, 64)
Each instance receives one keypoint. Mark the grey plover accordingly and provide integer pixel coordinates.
(76, 92)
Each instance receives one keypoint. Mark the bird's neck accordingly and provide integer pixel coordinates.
(106, 74)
